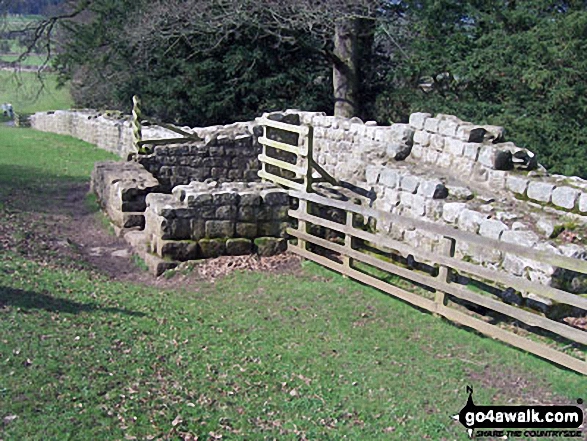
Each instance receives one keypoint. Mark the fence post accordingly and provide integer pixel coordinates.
(136, 122)
(308, 179)
(348, 240)
(264, 153)
(447, 248)
(302, 225)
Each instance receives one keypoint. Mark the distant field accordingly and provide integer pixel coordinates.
(11, 48)
(31, 60)
(27, 95)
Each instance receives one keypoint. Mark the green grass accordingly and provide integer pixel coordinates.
(31, 60)
(25, 94)
(253, 356)
(37, 164)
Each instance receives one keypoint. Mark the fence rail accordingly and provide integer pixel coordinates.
(348, 254)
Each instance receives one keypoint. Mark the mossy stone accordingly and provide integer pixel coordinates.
(212, 247)
(270, 246)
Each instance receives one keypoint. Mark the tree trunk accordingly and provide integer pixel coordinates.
(345, 69)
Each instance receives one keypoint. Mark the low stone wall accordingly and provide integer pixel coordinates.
(229, 156)
(112, 133)
(203, 220)
(121, 188)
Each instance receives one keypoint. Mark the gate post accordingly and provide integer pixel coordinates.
(136, 122)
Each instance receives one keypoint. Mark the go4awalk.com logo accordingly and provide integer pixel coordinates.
(521, 421)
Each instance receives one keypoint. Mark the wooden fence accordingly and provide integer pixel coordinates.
(351, 251)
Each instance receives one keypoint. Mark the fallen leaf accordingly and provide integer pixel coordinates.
(178, 420)
(10, 418)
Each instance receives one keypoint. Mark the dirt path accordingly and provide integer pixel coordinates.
(70, 231)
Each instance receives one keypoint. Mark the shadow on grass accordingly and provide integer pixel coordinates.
(33, 300)
(34, 190)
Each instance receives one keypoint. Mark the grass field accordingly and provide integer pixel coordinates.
(27, 94)
(31, 60)
(253, 356)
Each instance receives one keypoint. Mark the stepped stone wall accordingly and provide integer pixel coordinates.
(438, 167)
(466, 176)
(204, 220)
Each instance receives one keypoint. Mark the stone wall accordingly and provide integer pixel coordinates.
(121, 189)
(108, 132)
(466, 176)
(227, 154)
(203, 220)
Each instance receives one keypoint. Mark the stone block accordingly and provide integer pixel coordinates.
(270, 246)
(540, 191)
(418, 205)
(517, 184)
(398, 151)
(431, 125)
(418, 120)
(389, 178)
(247, 213)
(198, 199)
(513, 264)
(279, 213)
(545, 226)
(565, 197)
(220, 228)
(372, 173)
(461, 193)
(496, 179)
(445, 160)
(157, 265)
(522, 238)
(431, 155)
(437, 142)
(470, 133)
(417, 151)
(239, 247)
(249, 199)
(492, 228)
(246, 229)
(181, 250)
(269, 229)
(422, 137)
(432, 189)
(496, 159)
(409, 183)
(452, 210)
(454, 146)
(198, 228)
(275, 197)
(225, 198)
(471, 150)
(226, 212)
(583, 203)
(494, 134)
(209, 248)
(448, 127)
(470, 220)
(402, 133)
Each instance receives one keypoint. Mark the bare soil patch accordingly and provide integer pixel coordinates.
(66, 230)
